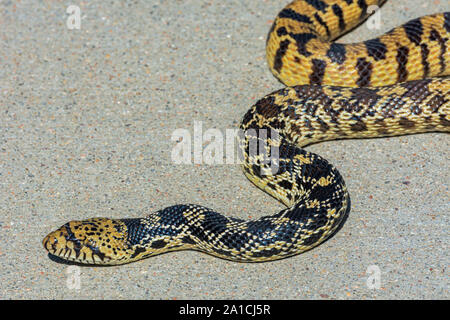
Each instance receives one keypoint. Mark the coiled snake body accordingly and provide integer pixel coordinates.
(391, 85)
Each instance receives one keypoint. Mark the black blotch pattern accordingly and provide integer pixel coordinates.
(376, 49)
(406, 123)
(359, 125)
(318, 71)
(278, 60)
(291, 14)
(364, 69)
(435, 36)
(282, 31)
(363, 5)
(414, 30)
(318, 4)
(365, 96)
(447, 21)
(259, 108)
(158, 244)
(337, 53)
(302, 39)
(424, 53)
(322, 23)
(402, 60)
(436, 102)
(338, 12)
(137, 251)
(267, 107)
(285, 184)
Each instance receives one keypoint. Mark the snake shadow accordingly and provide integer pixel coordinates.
(73, 263)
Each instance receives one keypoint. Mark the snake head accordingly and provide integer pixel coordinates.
(92, 241)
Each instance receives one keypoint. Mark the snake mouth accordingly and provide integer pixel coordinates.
(64, 244)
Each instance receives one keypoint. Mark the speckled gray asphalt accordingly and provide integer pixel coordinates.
(87, 117)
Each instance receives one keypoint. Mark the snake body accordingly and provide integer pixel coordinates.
(391, 85)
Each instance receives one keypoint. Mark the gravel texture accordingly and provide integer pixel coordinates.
(85, 130)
